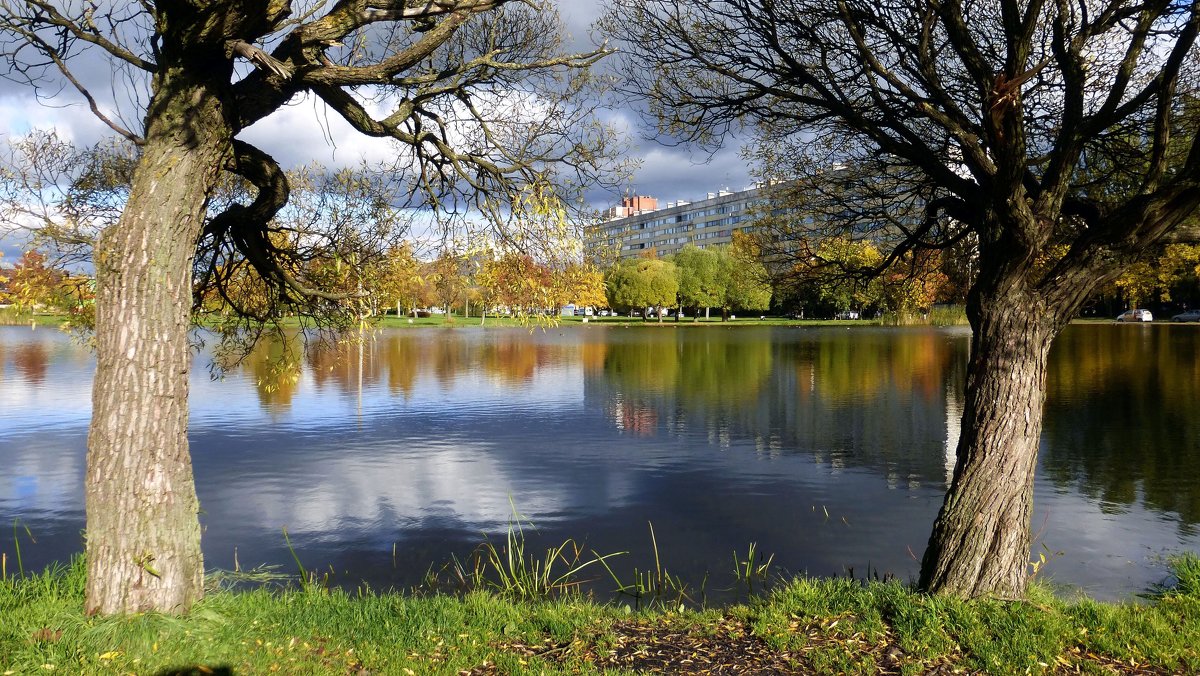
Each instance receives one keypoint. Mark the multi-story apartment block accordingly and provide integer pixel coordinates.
(639, 224)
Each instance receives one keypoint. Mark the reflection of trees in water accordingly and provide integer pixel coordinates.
(402, 358)
(1121, 421)
(512, 359)
(848, 397)
(449, 357)
(642, 373)
(592, 355)
(275, 367)
(31, 360)
(872, 398)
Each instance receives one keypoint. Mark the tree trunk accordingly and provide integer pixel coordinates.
(981, 540)
(143, 531)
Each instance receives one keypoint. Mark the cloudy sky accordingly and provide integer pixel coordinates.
(666, 172)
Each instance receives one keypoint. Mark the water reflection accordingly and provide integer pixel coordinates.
(31, 362)
(1122, 425)
(843, 397)
(829, 447)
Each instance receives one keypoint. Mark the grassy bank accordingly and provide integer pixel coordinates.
(805, 626)
(939, 319)
(11, 317)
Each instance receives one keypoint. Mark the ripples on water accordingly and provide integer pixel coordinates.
(827, 447)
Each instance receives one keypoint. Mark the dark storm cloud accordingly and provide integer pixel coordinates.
(668, 172)
(12, 246)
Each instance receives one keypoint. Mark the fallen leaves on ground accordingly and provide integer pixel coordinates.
(730, 647)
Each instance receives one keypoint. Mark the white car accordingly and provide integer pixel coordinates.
(1135, 316)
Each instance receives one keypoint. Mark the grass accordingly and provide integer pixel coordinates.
(9, 316)
(511, 569)
(939, 317)
(815, 626)
(947, 318)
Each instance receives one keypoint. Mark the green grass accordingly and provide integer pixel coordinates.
(456, 321)
(11, 317)
(835, 626)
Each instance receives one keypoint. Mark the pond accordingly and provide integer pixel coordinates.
(828, 447)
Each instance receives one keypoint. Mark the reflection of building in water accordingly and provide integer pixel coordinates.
(954, 413)
(637, 418)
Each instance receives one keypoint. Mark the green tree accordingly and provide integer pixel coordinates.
(748, 287)
(703, 277)
(642, 283)
(1041, 132)
(450, 81)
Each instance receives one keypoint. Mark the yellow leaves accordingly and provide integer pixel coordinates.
(1140, 282)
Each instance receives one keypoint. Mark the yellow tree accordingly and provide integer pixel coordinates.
(399, 280)
(518, 282)
(583, 285)
(837, 268)
(446, 279)
(1156, 278)
(747, 287)
(913, 283)
(34, 284)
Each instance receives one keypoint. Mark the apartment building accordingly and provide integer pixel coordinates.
(639, 224)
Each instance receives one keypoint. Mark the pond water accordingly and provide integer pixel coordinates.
(828, 447)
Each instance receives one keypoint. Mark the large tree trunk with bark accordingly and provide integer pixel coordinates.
(143, 532)
(981, 539)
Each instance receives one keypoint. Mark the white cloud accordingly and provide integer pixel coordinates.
(306, 131)
(20, 114)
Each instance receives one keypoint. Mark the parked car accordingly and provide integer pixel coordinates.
(1135, 316)
(1188, 316)
(847, 314)
(604, 313)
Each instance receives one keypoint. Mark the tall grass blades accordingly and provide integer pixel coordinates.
(656, 585)
(511, 571)
(1184, 579)
(17, 528)
(753, 569)
(308, 578)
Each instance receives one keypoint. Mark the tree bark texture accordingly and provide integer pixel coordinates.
(981, 540)
(143, 531)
